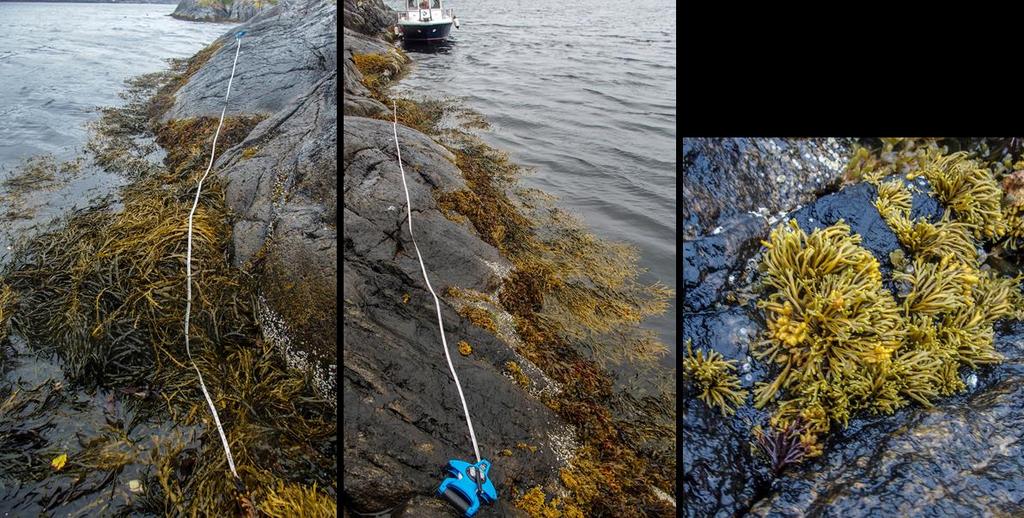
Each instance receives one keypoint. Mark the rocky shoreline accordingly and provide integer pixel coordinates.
(112, 371)
(542, 410)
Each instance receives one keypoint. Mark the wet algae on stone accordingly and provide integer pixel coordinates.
(908, 246)
(543, 304)
(100, 412)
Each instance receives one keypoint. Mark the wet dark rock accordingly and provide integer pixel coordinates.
(238, 11)
(370, 17)
(729, 331)
(403, 418)
(710, 260)
(725, 177)
(964, 457)
(720, 472)
(281, 181)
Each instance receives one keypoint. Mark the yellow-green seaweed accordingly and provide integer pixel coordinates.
(845, 344)
(969, 190)
(715, 379)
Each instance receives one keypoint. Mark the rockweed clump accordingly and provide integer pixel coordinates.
(844, 343)
(714, 378)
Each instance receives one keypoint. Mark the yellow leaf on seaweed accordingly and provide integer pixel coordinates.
(58, 462)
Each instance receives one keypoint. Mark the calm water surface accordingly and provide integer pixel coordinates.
(60, 62)
(585, 93)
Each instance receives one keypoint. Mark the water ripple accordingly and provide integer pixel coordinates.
(54, 74)
(584, 92)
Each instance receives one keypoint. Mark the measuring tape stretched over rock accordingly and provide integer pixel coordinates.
(467, 485)
(188, 265)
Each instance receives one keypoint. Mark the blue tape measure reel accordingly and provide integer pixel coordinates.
(468, 486)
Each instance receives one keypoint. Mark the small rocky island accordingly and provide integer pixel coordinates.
(220, 10)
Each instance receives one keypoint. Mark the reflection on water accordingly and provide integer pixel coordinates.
(422, 47)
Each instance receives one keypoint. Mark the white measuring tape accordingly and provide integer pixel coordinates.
(437, 303)
(188, 267)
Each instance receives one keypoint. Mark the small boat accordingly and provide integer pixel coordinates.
(425, 21)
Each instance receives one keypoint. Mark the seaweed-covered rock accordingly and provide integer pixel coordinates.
(403, 416)
(281, 181)
(721, 475)
(364, 20)
(356, 98)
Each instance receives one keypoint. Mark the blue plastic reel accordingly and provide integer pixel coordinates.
(468, 486)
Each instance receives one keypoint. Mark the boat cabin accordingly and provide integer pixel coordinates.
(425, 11)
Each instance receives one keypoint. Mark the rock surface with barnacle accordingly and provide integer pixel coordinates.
(951, 459)
(403, 417)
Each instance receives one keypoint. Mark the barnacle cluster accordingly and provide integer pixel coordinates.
(846, 344)
(714, 378)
